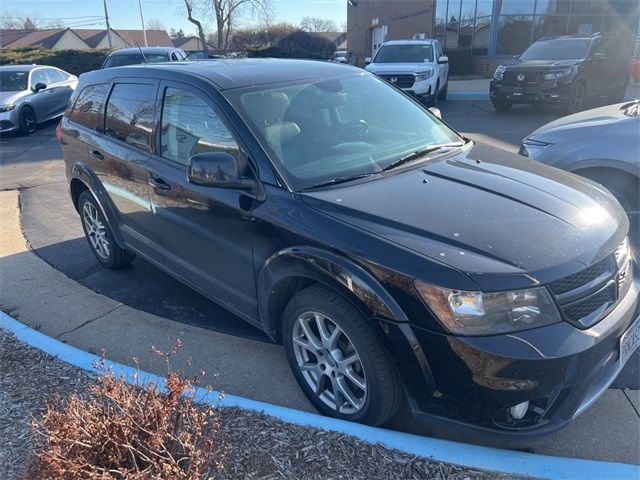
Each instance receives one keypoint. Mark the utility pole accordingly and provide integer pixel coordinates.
(106, 18)
(144, 31)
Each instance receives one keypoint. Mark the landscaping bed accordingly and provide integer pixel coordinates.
(254, 445)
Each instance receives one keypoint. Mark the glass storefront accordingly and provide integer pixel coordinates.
(508, 27)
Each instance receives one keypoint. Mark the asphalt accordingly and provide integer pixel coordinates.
(126, 312)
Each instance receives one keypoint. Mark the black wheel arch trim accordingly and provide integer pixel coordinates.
(82, 172)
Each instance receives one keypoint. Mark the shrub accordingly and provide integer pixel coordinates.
(120, 431)
(72, 61)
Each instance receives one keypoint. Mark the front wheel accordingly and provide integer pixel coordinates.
(337, 359)
(100, 236)
(27, 120)
(443, 93)
(577, 97)
(501, 105)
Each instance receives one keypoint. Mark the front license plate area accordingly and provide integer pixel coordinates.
(629, 342)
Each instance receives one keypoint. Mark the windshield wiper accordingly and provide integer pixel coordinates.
(420, 153)
(338, 180)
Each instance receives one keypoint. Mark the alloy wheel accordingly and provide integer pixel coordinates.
(96, 231)
(329, 363)
(28, 120)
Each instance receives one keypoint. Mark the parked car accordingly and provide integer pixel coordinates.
(32, 94)
(566, 70)
(134, 56)
(419, 67)
(202, 55)
(603, 145)
(390, 255)
(341, 56)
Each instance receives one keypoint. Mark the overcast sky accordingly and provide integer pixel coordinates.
(125, 13)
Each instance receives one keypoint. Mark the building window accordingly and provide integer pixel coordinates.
(464, 24)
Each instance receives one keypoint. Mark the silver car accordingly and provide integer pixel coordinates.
(602, 144)
(32, 94)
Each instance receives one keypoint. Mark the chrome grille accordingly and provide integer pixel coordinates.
(588, 296)
(400, 80)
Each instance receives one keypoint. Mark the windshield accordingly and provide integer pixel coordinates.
(409, 53)
(559, 49)
(13, 81)
(134, 59)
(317, 131)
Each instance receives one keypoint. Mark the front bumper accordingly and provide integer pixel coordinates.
(546, 92)
(8, 121)
(469, 383)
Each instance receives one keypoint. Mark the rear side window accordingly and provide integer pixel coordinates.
(89, 107)
(55, 76)
(129, 115)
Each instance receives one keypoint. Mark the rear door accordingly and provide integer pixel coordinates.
(119, 158)
(58, 89)
(205, 231)
(42, 101)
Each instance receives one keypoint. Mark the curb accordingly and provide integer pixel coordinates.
(471, 456)
(467, 95)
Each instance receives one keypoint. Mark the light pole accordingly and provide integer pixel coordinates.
(106, 18)
(144, 31)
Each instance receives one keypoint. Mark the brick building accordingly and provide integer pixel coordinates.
(479, 34)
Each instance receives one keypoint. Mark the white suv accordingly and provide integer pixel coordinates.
(418, 67)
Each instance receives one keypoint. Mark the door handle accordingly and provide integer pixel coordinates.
(159, 183)
(97, 154)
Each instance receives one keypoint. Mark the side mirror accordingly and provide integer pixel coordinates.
(217, 169)
(367, 60)
(443, 59)
(39, 86)
(436, 111)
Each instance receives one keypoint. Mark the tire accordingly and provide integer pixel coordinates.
(443, 94)
(433, 100)
(501, 105)
(577, 97)
(27, 120)
(380, 398)
(99, 234)
(618, 91)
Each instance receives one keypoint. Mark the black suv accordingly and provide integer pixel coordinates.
(390, 255)
(566, 70)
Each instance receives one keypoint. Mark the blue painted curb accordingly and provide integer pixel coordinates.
(505, 461)
(468, 96)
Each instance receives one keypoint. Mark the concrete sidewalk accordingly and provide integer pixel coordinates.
(478, 89)
(45, 299)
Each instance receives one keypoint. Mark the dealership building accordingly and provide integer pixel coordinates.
(479, 34)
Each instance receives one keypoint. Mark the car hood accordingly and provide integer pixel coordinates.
(586, 124)
(541, 64)
(487, 213)
(6, 98)
(399, 67)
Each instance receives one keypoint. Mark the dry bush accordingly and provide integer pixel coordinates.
(120, 431)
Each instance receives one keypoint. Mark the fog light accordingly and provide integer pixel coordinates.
(519, 411)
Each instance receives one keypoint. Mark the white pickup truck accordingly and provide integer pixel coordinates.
(419, 67)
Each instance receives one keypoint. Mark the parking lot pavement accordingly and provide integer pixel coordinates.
(127, 311)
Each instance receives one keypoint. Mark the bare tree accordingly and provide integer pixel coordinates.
(55, 24)
(155, 24)
(317, 24)
(228, 12)
(197, 7)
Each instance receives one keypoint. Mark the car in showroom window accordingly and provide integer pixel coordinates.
(393, 258)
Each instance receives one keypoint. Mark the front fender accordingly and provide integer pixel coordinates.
(327, 268)
(83, 172)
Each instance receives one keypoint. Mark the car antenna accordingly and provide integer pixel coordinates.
(142, 53)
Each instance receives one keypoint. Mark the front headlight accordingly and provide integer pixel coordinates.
(532, 148)
(6, 108)
(499, 73)
(424, 75)
(479, 313)
(557, 74)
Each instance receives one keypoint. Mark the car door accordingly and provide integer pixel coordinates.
(205, 231)
(596, 69)
(119, 159)
(443, 68)
(58, 89)
(41, 101)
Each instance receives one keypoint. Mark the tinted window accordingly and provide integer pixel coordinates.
(190, 126)
(55, 76)
(561, 49)
(134, 59)
(89, 107)
(11, 81)
(130, 113)
(38, 76)
(411, 53)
